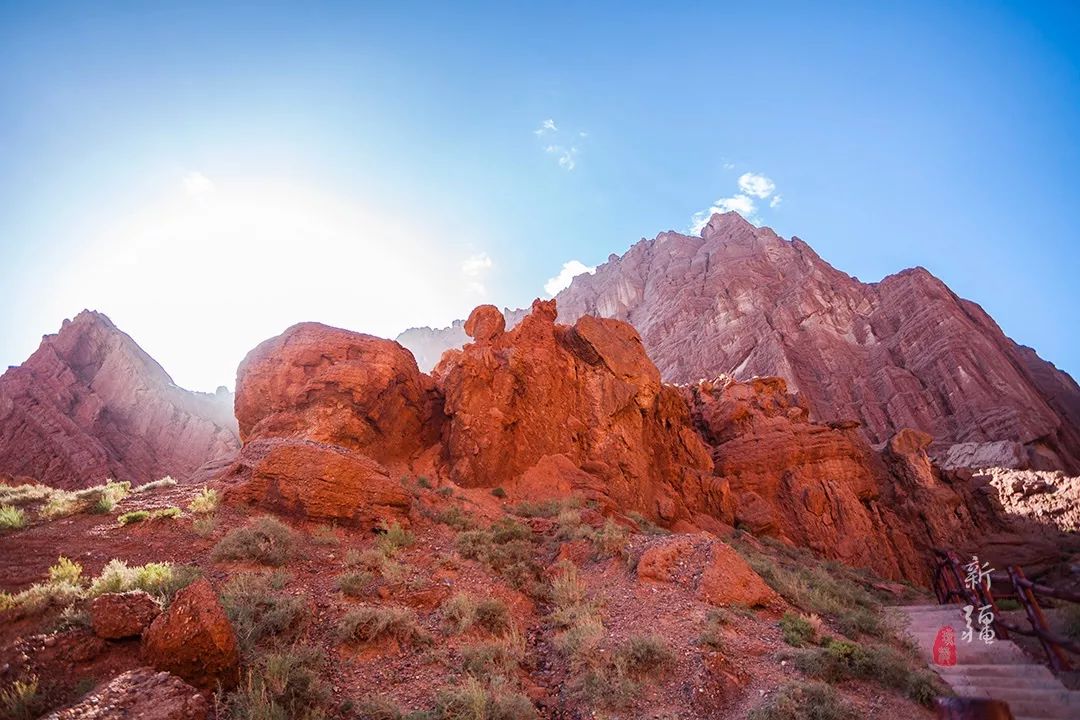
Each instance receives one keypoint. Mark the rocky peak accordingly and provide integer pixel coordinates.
(90, 404)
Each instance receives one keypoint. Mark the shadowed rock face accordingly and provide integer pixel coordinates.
(89, 404)
(903, 352)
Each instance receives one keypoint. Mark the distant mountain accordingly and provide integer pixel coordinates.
(904, 352)
(90, 404)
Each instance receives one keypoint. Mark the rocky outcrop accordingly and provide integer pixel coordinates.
(546, 410)
(141, 693)
(317, 481)
(89, 404)
(901, 353)
(711, 568)
(114, 616)
(823, 487)
(337, 387)
(194, 639)
(328, 418)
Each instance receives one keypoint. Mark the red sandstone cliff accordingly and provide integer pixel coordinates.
(903, 352)
(90, 404)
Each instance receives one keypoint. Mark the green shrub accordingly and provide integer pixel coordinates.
(504, 548)
(423, 482)
(610, 539)
(493, 615)
(259, 610)
(206, 501)
(456, 518)
(12, 518)
(135, 516)
(532, 508)
(445, 492)
(20, 700)
(394, 538)
(166, 513)
(375, 561)
(162, 580)
(840, 660)
(797, 630)
(369, 624)
(470, 700)
(645, 525)
(615, 679)
(353, 583)
(498, 492)
(204, 525)
(66, 571)
(711, 636)
(493, 659)
(283, 685)
(803, 701)
(100, 498)
(264, 540)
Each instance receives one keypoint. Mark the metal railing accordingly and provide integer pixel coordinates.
(949, 586)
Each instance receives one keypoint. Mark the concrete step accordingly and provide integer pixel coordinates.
(1051, 697)
(1033, 672)
(1040, 704)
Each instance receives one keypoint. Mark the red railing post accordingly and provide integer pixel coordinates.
(1058, 660)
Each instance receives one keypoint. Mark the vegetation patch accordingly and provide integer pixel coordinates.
(505, 548)
(325, 535)
(370, 624)
(21, 701)
(206, 501)
(100, 498)
(803, 701)
(827, 589)
(164, 482)
(616, 678)
(354, 583)
(264, 540)
(162, 580)
(463, 611)
(282, 685)
(12, 518)
(471, 700)
(494, 659)
(797, 630)
(258, 609)
(839, 660)
(24, 494)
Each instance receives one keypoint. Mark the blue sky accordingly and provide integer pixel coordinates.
(208, 176)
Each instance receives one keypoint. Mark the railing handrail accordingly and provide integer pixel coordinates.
(1026, 593)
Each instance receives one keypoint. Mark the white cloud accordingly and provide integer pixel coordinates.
(729, 166)
(546, 127)
(751, 186)
(195, 184)
(473, 269)
(757, 185)
(567, 156)
(570, 270)
(742, 204)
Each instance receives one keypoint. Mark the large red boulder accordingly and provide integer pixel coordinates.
(337, 387)
(121, 615)
(712, 569)
(194, 639)
(318, 481)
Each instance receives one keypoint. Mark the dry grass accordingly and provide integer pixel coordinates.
(281, 685)
(803, 701)
(20, 700)
(370, 624)
(354, 583)
(164, 482)
(463, 611)
(264, 540)
(259, 611)
(797, 630)
(471, 700)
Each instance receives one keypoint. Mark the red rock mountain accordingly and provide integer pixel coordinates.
(905, 352)
(90, 404)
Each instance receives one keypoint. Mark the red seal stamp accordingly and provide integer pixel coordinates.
(945, 647)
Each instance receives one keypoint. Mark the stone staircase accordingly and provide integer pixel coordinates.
(1001, 670)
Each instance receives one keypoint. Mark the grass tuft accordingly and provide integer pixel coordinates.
(206, 501)
(803, 701)
(12, 518)
(282, 685)
(839, 660)
(164, 482)
(20, 700)
(370, 624)
(259, 611)
(797, 630)
(264, 540)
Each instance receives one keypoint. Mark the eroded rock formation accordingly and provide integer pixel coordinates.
(141, 693)
(901, 353)
(546, 410)
(89, 404)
